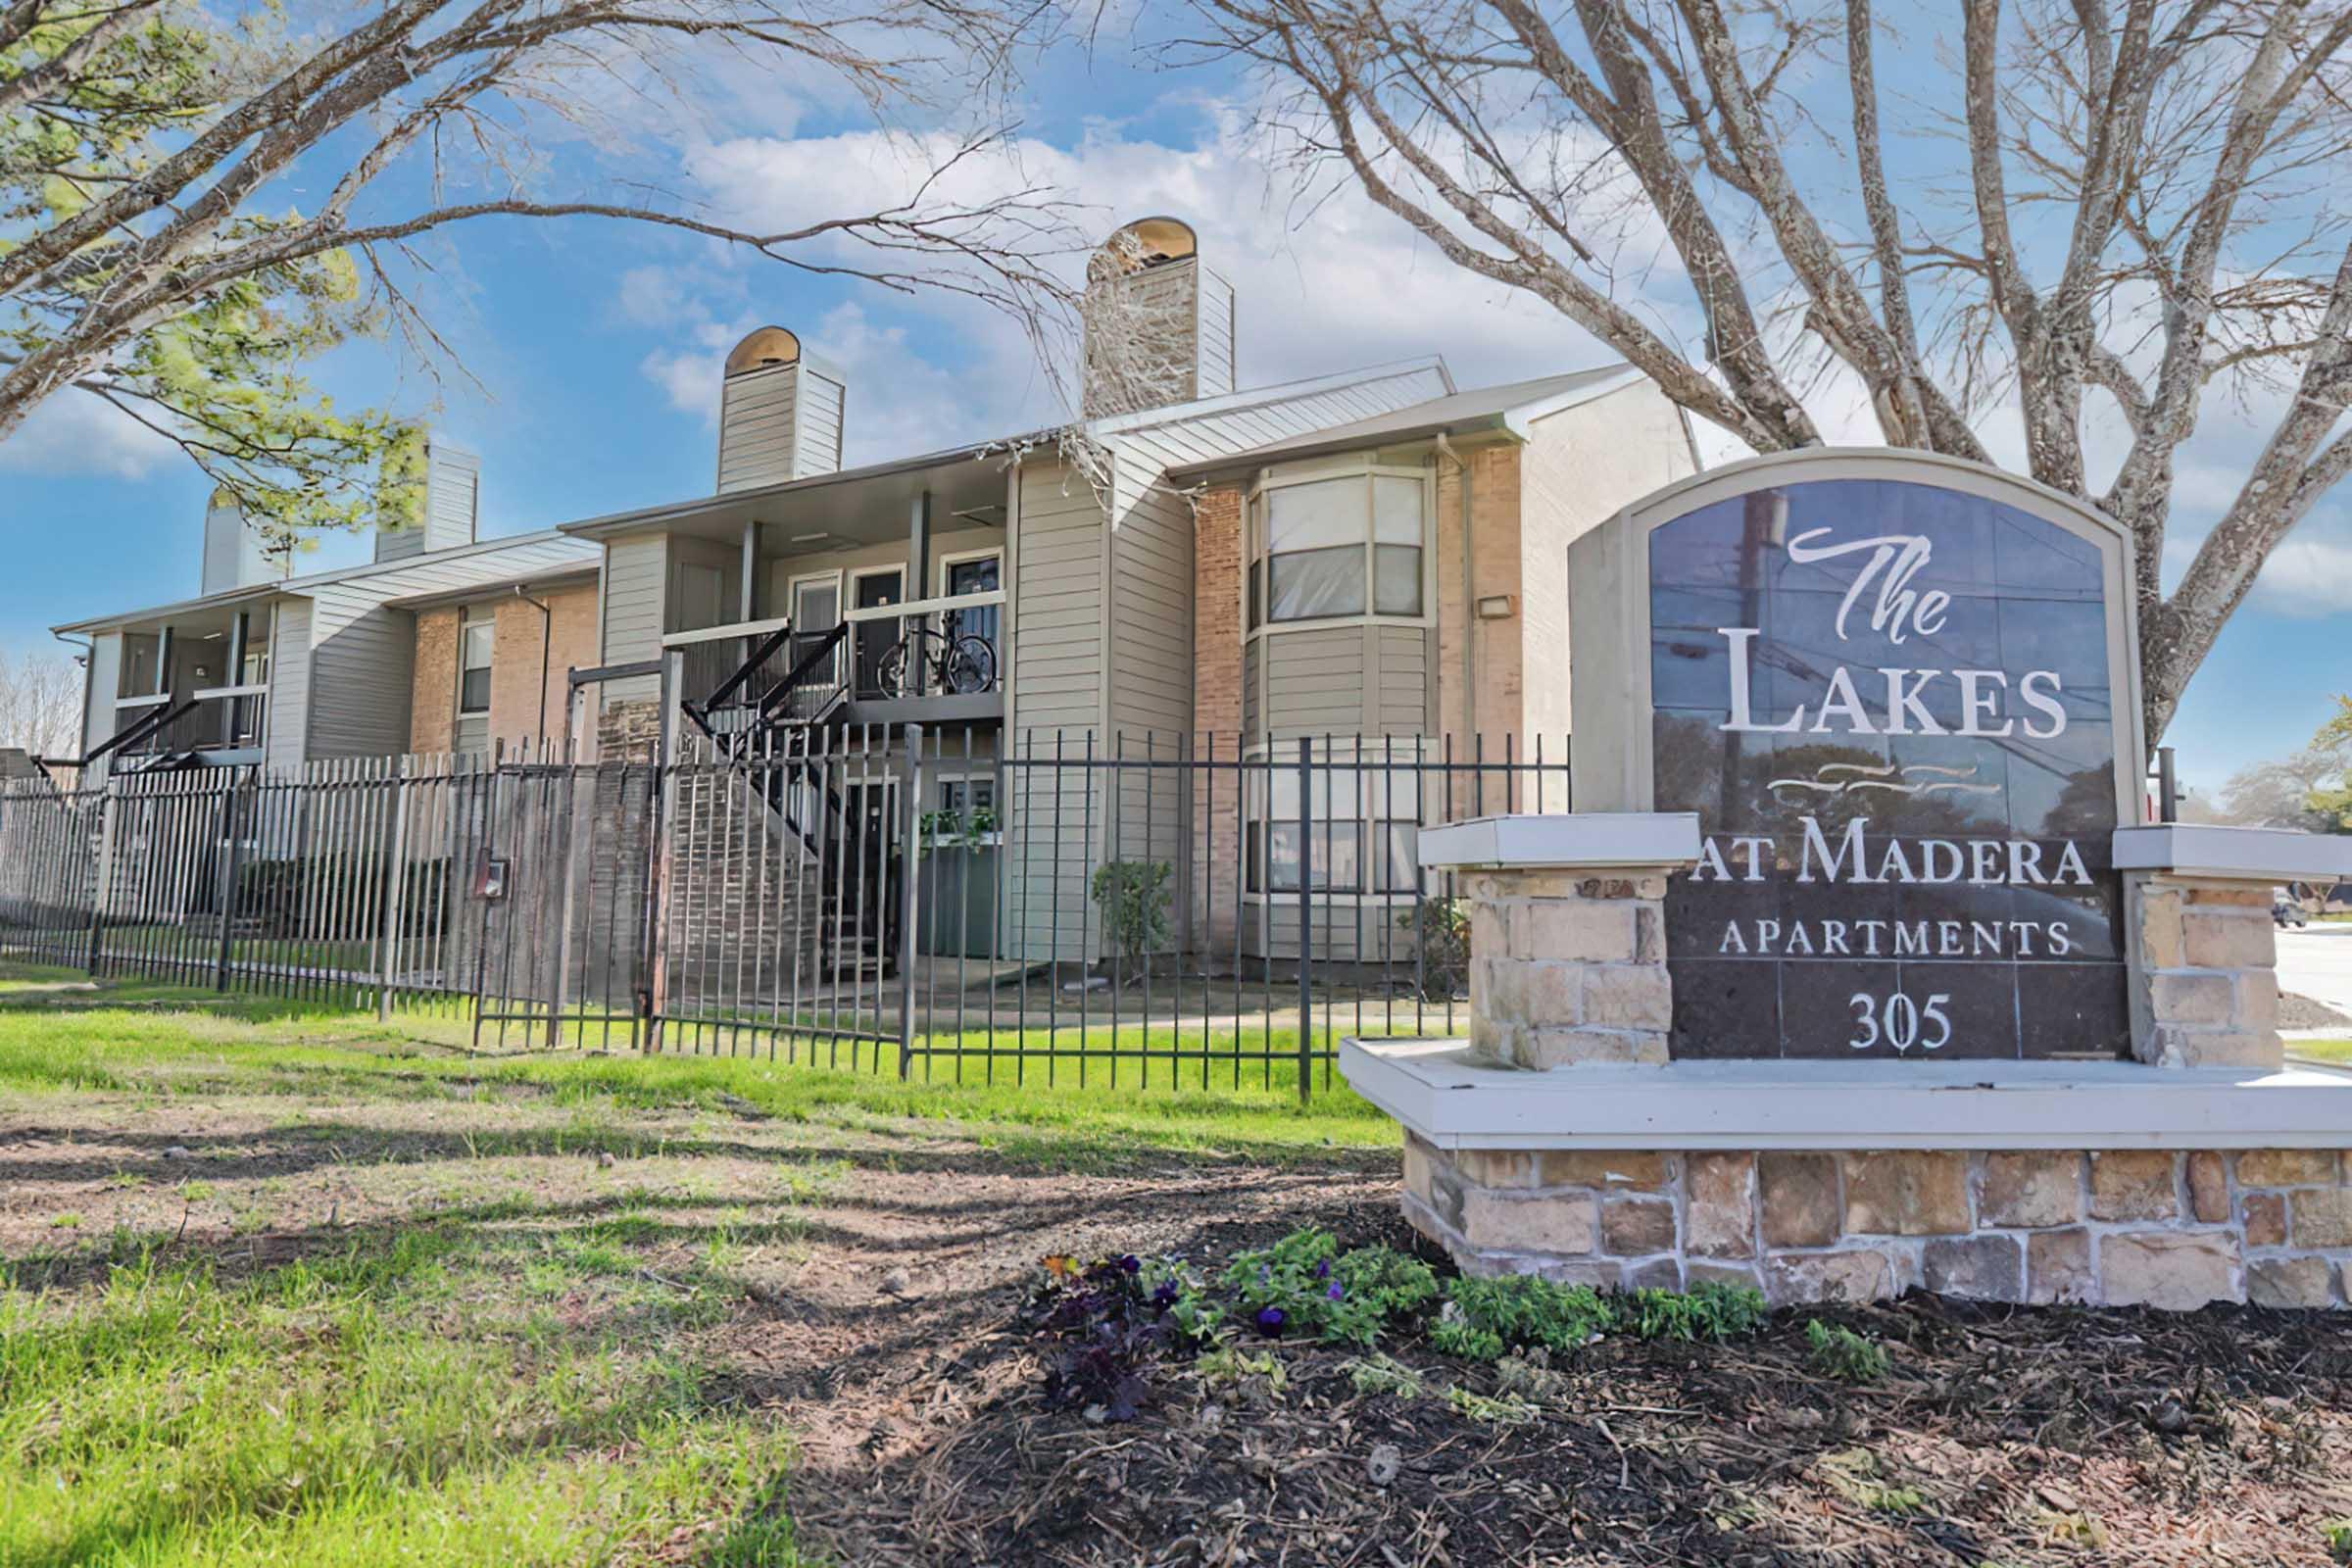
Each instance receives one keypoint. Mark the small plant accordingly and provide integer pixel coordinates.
(2337, 1533)
(1522, 1309)
(1228, 1365)
(1710, 1310)
(1109, 1327)
(1441, 931)
(1381, 1374)
(1134, 896)
(1505, 1410)
(1837, 1351)
(1303, 1287)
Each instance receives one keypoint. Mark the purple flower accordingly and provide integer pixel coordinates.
(1166, 1294)
(1131, 1263)
(1337, 1289)
(1323, 1269)
(1270, 1321)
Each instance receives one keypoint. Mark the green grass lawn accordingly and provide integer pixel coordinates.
(401, 1332)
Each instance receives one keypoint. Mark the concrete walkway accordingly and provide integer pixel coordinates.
(2317, 962)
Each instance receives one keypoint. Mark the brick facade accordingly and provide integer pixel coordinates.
(433, 695)
(516, 661)
(1217, 701)
(1495, 568)
(2113, 1228)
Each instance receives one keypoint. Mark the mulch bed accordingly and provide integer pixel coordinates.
(2305, 1012)
(2001, 1436)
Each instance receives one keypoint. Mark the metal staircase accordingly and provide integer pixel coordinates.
(765, 718)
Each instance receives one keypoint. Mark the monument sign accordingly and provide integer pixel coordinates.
(1893, 704)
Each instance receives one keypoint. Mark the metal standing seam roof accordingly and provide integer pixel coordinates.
(1456, 414)
(302, 587)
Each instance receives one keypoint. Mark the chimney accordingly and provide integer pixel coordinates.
(234, 556)
(1159, 325)
(779, 413)
(452, 486)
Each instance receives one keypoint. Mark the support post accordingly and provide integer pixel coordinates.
(395, 893)
(103, 888)
(1306, 916)
(657, 874)
(910, 781)
(231, 864)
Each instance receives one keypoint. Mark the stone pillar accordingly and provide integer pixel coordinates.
(2205, 991)
(1567, 967)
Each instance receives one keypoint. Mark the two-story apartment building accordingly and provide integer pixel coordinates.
(1373, 558)
(264, 666)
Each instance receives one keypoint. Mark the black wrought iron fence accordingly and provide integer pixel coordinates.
(1064, 909)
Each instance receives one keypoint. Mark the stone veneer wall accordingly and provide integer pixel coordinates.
(2206, 988)
(1569, 966)
(2115, 1228)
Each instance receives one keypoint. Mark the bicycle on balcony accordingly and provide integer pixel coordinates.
(927, 663)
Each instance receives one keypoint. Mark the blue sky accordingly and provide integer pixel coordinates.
(596, 349)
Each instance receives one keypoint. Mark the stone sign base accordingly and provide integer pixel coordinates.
(2164, 1228)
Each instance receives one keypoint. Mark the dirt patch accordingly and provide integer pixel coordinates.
(2305, 1012)
(2050, 1436)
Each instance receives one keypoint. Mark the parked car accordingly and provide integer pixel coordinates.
(2285, 910)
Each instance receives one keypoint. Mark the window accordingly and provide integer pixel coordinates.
(1351, 545)
(475, 642)
(961, 794)
(1342, 864)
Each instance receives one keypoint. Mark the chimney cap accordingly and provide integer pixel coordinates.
(1145, 243)
(766, 347)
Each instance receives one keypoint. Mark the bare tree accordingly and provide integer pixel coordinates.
(40, 704)
(190, 209)
(2112, 213)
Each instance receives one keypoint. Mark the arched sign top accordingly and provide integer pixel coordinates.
(1899, 692)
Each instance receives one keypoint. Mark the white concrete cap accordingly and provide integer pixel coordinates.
(2233, 853)
(1565, 840)
(1447, 1096)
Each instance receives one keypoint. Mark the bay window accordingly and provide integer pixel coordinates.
(1339, 545)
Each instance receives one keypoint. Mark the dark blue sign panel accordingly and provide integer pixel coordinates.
(1891, 706)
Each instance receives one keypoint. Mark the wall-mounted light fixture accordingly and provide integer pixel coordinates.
(1494, 606)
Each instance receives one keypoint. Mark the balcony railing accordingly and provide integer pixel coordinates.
(219, 718)
(950, 646)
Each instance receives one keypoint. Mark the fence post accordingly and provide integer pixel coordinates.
(910, 850)
(657, 871)
(103, 888)
(231, 863)
(396, 889)
(1306, 912)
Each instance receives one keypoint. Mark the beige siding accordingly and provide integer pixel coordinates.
(636, 573)
(287, 743)
(105, 679)
(821, 401)
(1399, 681)
(1216, 335)
(1314, 682)
(757, 414)
(1579, 469)
(363, 654)
(1059, 670)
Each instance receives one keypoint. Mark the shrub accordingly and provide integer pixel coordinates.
(1440, 927)
(1710, 1310)
(1134, 896)
(309, 896)
(1840, 1352)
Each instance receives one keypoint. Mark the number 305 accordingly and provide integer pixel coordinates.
(1897, 1021)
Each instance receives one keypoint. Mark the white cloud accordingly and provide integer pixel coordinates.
(75, 434)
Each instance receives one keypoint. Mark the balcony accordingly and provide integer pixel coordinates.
(218, 724)
(932, 661)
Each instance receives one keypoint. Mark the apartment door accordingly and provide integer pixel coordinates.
(871, 590)
(975, 574)
(815, 609)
